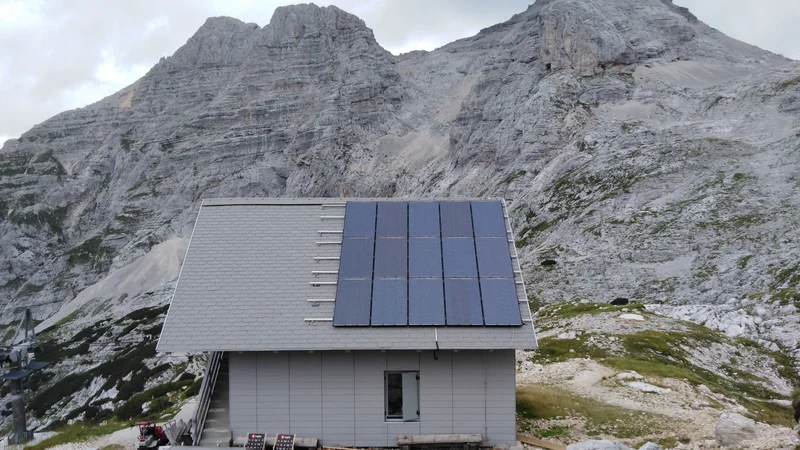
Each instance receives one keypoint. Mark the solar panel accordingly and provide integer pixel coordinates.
(462, 300)
(459, 257)
(392, 219)
(424, 257)
(500, 301)
(389, 302)
(356, 258)
(488, 219)
(390, 258)
(359, 219)
(494, 259)
(456, 219)
(352, 303)
(426, 264)
(423, 219)
(36, 365)
(425, 301)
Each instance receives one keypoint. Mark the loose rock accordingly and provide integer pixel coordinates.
(733, 428)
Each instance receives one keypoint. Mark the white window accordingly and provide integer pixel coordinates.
(402, 396)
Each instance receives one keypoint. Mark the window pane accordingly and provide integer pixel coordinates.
(394, 395)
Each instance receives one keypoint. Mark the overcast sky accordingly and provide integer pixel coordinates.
(62, 54)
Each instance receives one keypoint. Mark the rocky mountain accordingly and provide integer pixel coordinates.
(646, 154)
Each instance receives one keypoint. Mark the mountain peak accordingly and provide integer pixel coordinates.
(220, 40)
(295, 21)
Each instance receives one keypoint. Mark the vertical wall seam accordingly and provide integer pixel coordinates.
(256, 389)
(355, 444)
(452, 392)
(289, 378)
(486, 394)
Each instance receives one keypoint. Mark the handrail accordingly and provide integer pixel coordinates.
(204, 396)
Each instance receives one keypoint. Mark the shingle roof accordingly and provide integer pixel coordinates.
(247, 278)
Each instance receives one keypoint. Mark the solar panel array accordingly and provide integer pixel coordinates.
(424, 264)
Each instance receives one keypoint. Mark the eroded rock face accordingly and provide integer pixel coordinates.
(588, 37)
(651, 156)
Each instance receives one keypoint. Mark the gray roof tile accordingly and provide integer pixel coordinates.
(245, 283)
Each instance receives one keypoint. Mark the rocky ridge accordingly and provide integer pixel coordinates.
(648, 155)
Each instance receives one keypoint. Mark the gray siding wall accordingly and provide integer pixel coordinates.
(339, 396)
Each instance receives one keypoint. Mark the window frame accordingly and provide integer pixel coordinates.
(386, 417)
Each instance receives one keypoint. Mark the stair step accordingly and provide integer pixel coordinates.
(216, 419)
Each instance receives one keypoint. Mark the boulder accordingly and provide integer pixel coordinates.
(598, 445)
(733, 428)
(636, 317)
(629, 376)
(648, 388)
(650, 446)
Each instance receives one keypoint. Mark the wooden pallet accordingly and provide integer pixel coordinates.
(541, 443)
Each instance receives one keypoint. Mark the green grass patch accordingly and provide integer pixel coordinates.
(553, 349)
(157, 396)
(126, 143)
(513, 176)
(788, 84)
(552, 432)
(628, 127)
(53, 218)
(65, 320)
(742, 263)
(91, 252)
(529, 232)
(787, 296)
(566, 310)
(78, 432)
(788, 275)
(548, 402)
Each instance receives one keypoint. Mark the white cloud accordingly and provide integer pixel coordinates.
(16, 13)
(419, 43)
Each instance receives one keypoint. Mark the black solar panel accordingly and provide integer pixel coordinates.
(459, 257)
(356, 258)
(500, 301)
(425, 301)
(389, 302)
(494, 259)
(359, 219)
(456, 219)
(422, 263)
(462, 299)
(392, 219)
(390, 258)
(423, 219)
(352, 303)
(488, 219)
(424, 257)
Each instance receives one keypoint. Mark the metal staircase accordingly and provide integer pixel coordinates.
(212, 421)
